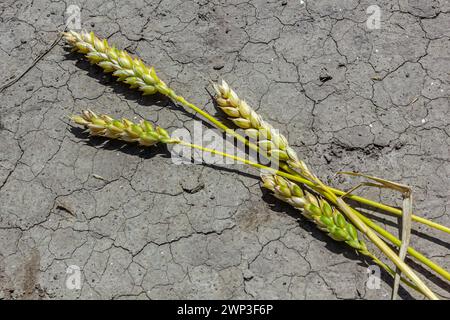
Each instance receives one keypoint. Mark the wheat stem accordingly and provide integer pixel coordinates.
(392, 210)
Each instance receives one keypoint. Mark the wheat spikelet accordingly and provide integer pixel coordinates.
(268, 138)
(143, 133)
(317, 209)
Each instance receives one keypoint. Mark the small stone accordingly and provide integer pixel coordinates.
(325, 78)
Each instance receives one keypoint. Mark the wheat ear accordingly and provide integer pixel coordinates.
(246, 118)
(143, 133)
(326, 217)
(317, 209)
(129, 70)
(268, 138)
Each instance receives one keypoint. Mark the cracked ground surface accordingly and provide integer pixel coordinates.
(347, 97)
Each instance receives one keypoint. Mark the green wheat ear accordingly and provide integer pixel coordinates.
(131, 71)
(143, 133)
(317, 209)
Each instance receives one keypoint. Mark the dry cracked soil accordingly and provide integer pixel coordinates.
(133, 225)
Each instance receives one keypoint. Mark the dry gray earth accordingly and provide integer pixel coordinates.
(151, 229)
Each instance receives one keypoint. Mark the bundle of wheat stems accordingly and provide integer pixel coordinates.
(293, 183)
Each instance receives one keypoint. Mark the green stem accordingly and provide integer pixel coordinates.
(242, 160)
(390, 209)
(206, 115)
(373, 204)
(389, 236)
(385, 234)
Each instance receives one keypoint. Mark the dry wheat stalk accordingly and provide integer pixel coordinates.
(255, 127)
